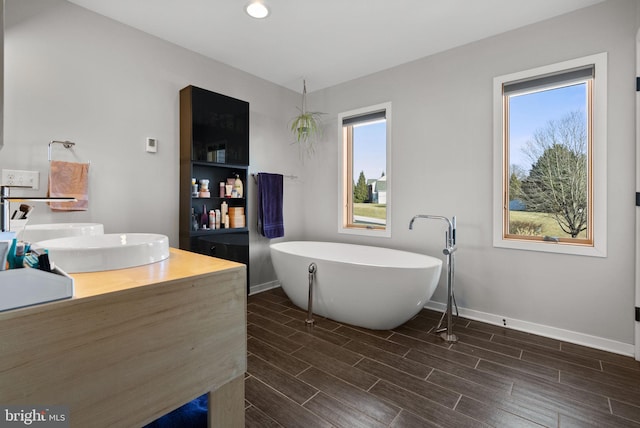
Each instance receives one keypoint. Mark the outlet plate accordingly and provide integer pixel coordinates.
(20, 178)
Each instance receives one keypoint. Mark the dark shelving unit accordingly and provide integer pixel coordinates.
(214, 145)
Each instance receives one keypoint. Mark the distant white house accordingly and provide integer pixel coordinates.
(377, 189)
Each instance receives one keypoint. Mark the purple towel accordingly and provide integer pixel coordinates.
(270, 219)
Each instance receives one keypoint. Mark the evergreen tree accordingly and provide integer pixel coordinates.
(360, 191)
(515, 187)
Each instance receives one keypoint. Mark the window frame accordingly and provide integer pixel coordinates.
(597, 244)
(345, 180)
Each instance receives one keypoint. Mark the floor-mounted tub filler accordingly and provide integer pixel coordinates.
(370, 287)
(449, 248)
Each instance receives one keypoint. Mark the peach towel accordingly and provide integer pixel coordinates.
(69, 180)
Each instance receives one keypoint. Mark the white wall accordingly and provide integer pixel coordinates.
(72, 74)
(442, 164)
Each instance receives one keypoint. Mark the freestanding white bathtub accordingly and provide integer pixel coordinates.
(371, 287)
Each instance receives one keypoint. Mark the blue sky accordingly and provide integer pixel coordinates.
(369, 150)
(529, 112)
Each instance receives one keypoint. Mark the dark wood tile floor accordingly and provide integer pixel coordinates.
(344, 376)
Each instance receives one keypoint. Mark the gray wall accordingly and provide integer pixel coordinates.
(72, 74)
(442, 164)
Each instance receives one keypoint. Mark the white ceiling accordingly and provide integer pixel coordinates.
(327, 42)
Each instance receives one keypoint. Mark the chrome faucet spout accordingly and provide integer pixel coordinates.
(451, 233)
(5, 199)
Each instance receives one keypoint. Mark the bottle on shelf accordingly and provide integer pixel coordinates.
(237, 186)
(204, 188)
(212, 219)
(194, 220)
(194, 188)
(224, 208)
(204, 218)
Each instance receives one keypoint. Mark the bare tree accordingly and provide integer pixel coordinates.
(558, 182)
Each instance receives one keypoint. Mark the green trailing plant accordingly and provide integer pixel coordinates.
(306, 126)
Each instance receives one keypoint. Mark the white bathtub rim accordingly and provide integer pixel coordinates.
(418, 258)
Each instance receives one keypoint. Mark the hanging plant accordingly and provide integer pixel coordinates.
(306, 126)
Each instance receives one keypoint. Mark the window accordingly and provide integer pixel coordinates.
(365, 191)
(550, 158)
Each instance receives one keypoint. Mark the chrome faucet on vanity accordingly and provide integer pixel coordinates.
(450, 247)
(5, 199)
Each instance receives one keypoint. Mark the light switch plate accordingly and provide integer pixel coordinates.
(152, 145)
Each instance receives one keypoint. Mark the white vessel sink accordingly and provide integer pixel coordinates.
(42, 232)
(106, 252)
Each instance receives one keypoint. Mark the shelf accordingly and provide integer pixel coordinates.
(219, 165)
(218, 231)
(218, 197)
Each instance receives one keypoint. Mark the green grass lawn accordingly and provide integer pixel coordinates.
(550, 226)
(370, 210)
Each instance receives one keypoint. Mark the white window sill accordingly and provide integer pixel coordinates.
(552, 247)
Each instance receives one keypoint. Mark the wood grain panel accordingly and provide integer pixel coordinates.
(337, 368)
(409, 420)
(125, 353)
(329, 349)
(281, 409)
(276, 357)
(339, 414)
(421, 387)
(427, 409)
(491, 415)
(350, 395)
(282, 343)
(390, 359)
(280, 380)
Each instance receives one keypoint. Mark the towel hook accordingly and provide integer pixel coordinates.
(66, 144)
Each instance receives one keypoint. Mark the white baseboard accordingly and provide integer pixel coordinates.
(263, 287)
(542, 330)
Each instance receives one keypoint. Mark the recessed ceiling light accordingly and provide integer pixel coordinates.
(257, 9)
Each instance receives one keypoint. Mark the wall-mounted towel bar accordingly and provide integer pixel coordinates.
(290, 177)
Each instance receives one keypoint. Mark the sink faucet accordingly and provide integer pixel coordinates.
(5, 200)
